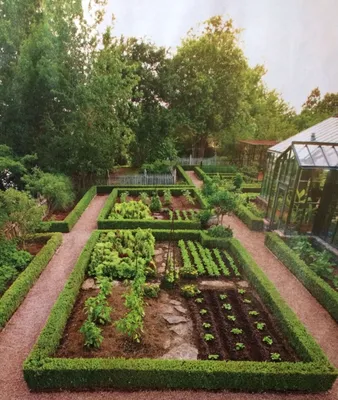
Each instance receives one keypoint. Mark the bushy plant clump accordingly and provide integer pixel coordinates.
(158, 167)
(220, 231)
(130, 210)
(119, 254)
(12, 262)
(155, 203)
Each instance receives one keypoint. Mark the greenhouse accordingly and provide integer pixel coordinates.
(300, 187)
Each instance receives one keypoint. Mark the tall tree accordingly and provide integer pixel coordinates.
(153, 123)
(208, 81)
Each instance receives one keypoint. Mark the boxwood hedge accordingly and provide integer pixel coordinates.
(254, 223)
(105, 223)
(321, 290)
(67, 224)
(44, 372)
(16, 293)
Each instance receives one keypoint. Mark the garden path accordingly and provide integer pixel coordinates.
(196, 181)
(22, 330)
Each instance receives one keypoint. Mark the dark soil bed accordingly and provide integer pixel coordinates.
(58, 215)
(34, 247)
(224, 343)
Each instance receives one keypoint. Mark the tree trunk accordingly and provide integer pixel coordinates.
(202, 144)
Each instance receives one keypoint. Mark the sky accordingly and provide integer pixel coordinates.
(296, 40)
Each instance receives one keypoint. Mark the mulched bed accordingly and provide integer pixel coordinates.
(58, 215)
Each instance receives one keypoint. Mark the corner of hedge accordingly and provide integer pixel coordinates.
(16, 293)
(254, 223)
(322, 291)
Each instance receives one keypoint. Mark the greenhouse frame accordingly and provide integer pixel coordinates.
(300, 186)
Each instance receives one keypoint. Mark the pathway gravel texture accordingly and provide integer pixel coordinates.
(196, 181)
(22, 330)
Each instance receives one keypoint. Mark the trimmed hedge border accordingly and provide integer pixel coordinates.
(184, 175)
(104, 223)
(249, 218)
(17, 292)
(251, 188)
(322, 291)
(67, 224)
(106, 189)
(43, 372)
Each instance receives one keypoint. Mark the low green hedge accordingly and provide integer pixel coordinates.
(251, 187)
(104, 223)
(16, 293)
(322, 291)
(184, 175)
(222, 169)
(67, 224)
(106, 189)
(43, 372)
(200, 173)
(249, 218)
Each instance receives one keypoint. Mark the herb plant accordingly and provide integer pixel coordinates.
(240, 346)
(268, 340)
(208, 337)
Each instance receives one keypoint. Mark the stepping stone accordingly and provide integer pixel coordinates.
(243, 284)
(167, 309)
(180, 329)
(175, 302)
(184, 351)
(158, 252)
(174, 319)
(181, 309)
(217, 285)
(89, 284)
(166, 344)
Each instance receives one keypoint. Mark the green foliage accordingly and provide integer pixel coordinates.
(227, 306)
(236, 331)
(144, 197)
(19, 214)
(171, 275)
(275, 357)
(231, 318)
(190, 290)
(158, 167)
(119, 254)
(56, 189)
(240, 346)
(206, 325)
(204, 216)
(213, 356)
(208, 337)
(254, 222)
(253, 313)
(155, 204)
(187, 270)
(220, 231)
(92, 334)
(203, 311)
(123, 197)
(98, 310)
(268, 340)
(238, 181)
(17, 292)
(151, 290)
(321, 290)
(167, 197)
(223, 202)
(187, 195)
(260, 325)
(131, 210)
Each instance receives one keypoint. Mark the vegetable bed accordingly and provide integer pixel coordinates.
(162, 208)
(213, 285)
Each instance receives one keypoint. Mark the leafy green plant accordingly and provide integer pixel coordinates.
(220, 231)
(231, 318)
(98, 310)
(206, 325)
(241, 291)
(167, 197)
(253, 313)
(124, 196)
(275, 357)
(246, 301)
(92, 334)
(239, 346)
(213, 356)
(188, 291)
(236, 331)
(144, 197)
(171, 274)
(268, 340)
(187, 270)
(238, 180)
(204, 216)
(203, 311)
(227, 306)
(223, 202)
(208, 337)
(260, 325)
(223, 296)
(105, 285)
(187, 195)
(155, 203)
(151, 290)
(199, 300)
(131, 210)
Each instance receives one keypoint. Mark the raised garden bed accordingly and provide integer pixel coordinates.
(224, 277)
(42, 248)
(65, 225)
(178, 213)
(319, 287)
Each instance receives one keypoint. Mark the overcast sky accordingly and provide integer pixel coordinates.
(296, 40)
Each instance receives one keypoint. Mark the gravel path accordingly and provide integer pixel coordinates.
(22, 330)
(196, 181)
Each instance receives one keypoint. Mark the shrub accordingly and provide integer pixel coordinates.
(151, 290)
(224, 202)
(57, 189)
(238, 181)
(158, 167)
(204, 216)
(92, 334)
(131, 210)
(220, 231)
(190, 291)
(155, 204)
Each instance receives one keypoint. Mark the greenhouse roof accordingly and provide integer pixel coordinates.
(324, 132)
(316, 147)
